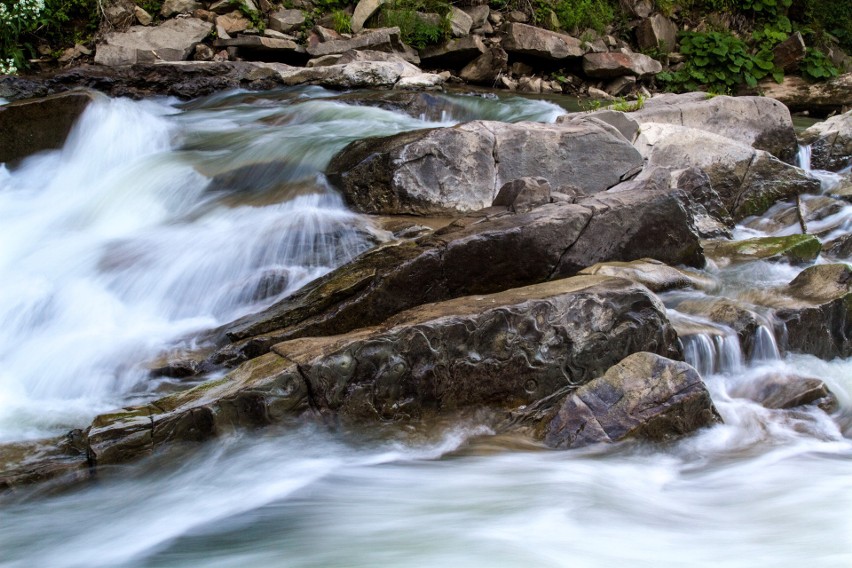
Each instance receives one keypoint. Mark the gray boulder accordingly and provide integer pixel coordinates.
(505, 350)
(611, 64)
(777, 392)
(363, 10)
(286, 21)
(382, 39)
(34, 125)
(831, 142)
(461, 168)
(487, 67)
(522, 39)
(524, 194)
(173, 40)
(653, 274)
(657, 33)
(748, 181)
(644, 396)
(820, 99)
(454, 53)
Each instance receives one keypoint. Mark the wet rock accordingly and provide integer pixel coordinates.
(34, 125)
(461, 168)
(455, 53)
(657, 33)
(472, 256)
(839, 248)
(819, 315)
(748, 181)
(819, 99)
(760, 122)
(504, 350)
(777, 391)
(712, 219)
(522, 39)
(645, 396)
(653, 274)
(615, 64)
(831, 143)
(58, 459)
(487, 67)
(172, 40)
(795, 249)
(785, 215)
(746, 320)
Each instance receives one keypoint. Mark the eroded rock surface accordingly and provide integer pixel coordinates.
(831, 142)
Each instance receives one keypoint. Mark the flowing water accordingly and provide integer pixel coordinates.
(159, 220)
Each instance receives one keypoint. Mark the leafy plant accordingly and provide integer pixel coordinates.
(719, 62)
(17, 18)
(580, 14)
(255, 17)
(341, 22)
(622, 105)
(816, 66)
(415, 27)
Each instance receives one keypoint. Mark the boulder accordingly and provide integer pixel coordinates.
(460, 22)
(382, 39)
(354, 75)
(225, 6)
(818, 313)
(172, 7)
(118, 15)
(447, 170)
(615, 64)
(657, 33)
(637, 8)
(795, 249)
(62, 458)
(830, 142)
(420, 82)
(819, 99)
(263, 47)
(789, 52)
(34, 125)
(472, 256)
(653, 274)
(173, 40)
(478, 15)
(286, 21)
(505, 350)
(748, 181)
(231, 23)
(746, 321)
(487, 67)
(760, 122)
(777, 392)
(712, 218)
(522, 195)
(839, 248)
(522, 39)
(454, 53)
(363, 10)
(645, 396)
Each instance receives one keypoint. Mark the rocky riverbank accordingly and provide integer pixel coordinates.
(538, 303)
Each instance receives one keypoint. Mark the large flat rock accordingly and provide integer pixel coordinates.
(172, 40)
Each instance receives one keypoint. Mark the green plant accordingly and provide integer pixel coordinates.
(719, 62)
(255, 17)
(416, 27)
(580, 14)
(341, 22)
(816, 66)
(622, 105)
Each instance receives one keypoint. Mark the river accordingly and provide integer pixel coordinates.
(118, 246)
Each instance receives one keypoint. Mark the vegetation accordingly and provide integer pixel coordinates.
(416, 27)
(341, 22)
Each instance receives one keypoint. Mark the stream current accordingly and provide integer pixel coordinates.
(154, 223)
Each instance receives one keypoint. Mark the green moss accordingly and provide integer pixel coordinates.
(797, 249)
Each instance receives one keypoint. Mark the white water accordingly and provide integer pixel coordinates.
(112, 250)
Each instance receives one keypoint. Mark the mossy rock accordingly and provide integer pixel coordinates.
(796, 249)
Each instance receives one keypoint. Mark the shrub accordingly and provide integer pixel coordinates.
(816, 66)
(17, 18)
(341, 22)
(580, 14)
(415, 29)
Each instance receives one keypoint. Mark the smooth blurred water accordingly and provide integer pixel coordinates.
(120, 246)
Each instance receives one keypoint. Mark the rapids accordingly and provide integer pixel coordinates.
(157, 221)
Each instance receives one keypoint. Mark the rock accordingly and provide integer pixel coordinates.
(517, 16)
(830, 142)
(473, 256)
(504, 350)
(420, 82)
(461, 168)
(597, 94)
(460, 22)
(789, 52)
(785, 215)
(712, 219)
(172, 7)
(325, 34)
(363, 10)
(454, 53)
(653, 274)
(62, 459)
(232, 23)
(286, 21)
(775, 391)
(819, 314)
(748, 181)
(746, 320)
(478, 15)
(645, 396)
(225, 6)
(637, 8)
(621, 85)
(203, 53)
(382, 39)
(522, 195)
(819, 99)
(35, 125)
(530, 84)
(487, 67)
(265, 48)
(173, 40)
(795, 249)
(657, 33)
(354, 75)
(760, 122)
(117, 15)
(615, 64)
(143, 17)
(522, 39)
(839, 248)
